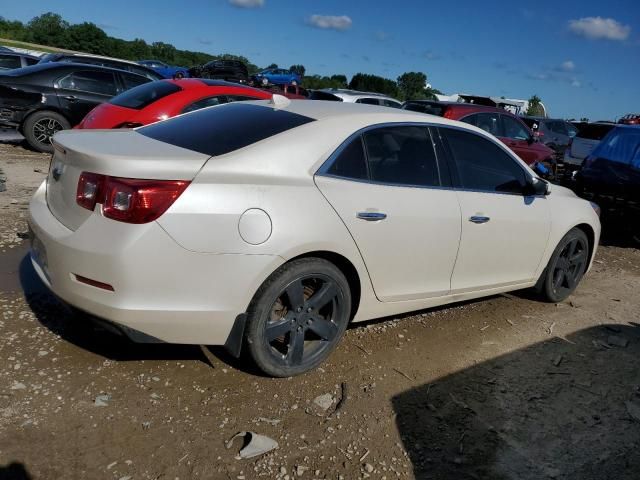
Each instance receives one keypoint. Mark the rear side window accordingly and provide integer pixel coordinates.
(143, 95)
(482, 165)
(9, 62)
(368, 101)
(31, 61)
(217, 131)
(402, 156)
(103, 83)
(351, 162)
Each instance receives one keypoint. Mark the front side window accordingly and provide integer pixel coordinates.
(514, 129)
(390, 103)
(482, 165)
(102, 83)
(131, 80)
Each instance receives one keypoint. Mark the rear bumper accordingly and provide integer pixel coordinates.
(159, 288)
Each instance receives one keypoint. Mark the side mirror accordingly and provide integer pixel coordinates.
(538, 186)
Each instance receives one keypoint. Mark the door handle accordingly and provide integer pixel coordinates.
(371, 216)
(71, 98)
(479, 219)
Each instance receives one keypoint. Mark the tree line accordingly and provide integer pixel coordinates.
(52, 30)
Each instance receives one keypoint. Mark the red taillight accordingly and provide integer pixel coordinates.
(89, 189)
(448, 114)
(127, 199)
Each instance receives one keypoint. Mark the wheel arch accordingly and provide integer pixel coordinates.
(347, 268)
(591, 237)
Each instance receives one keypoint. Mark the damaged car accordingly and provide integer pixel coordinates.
(43, 99)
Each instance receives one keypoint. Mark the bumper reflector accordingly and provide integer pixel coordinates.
(93, 283)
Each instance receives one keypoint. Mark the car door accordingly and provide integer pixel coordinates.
(386, 186)
(79, 92)
(504, 231)
(518, 138)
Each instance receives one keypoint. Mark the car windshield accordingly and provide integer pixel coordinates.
(223, 129)
(144, 95)
(594, 131)
(622, 145)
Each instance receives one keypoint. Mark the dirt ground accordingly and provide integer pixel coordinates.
(502, 388)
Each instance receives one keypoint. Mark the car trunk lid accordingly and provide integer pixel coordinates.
(118, 153)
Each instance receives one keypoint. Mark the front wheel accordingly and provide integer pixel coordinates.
(39, 127)
(566, 267)
(297, 317)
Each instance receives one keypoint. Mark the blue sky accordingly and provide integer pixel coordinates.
(581, 57)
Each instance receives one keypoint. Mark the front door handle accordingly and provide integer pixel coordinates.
(371, 216)
(479, 219)
(71, 98)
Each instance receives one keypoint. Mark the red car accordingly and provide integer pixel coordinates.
(510, 129)
(162, 99)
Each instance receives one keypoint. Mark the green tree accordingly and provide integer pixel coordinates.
(372, 83)
(412, 85)
(535, 108)
(273, 65)
(48, 29)
(299, 69)
(340, 80)
(88, 37)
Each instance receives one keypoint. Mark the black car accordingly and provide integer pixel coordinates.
(44, 98)
(103, 62)
(11, 60)
(554, 133)
(229, 70)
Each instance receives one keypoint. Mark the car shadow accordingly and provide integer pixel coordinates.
(14, 471)
(563, 408)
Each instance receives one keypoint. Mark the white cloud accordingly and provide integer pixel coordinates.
(431, 55)
(247, 3)
(576, 83)
(330, 22)
(567, 66)
(597, 28)
(381, 36)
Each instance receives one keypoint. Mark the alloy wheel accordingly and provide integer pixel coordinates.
(302, 322)
(569, 266)
(45, 128)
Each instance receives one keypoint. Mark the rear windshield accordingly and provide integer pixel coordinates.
(144, 95)
(622, 146)
(223, 129)
(594, 131)
(430, 108)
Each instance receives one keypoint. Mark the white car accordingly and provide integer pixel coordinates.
(368, 98)
(273, 224)
(583, 143)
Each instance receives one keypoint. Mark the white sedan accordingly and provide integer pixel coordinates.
(271, 225)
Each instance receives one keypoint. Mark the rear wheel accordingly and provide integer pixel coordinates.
(178, 75)
(566, 267)
(39, 127)
(297, 317)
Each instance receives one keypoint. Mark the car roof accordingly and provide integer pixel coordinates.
(88, 55)
(43, 67)
(192, 83)
(18, 54)
(343, 92)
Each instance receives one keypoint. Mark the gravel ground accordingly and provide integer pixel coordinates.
(503, 388)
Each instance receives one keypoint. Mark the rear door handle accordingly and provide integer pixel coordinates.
(479, 219)
(71, 98)
(371, 216)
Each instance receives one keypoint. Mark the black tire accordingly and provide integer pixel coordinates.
(178, 75)
(565, 268)
(40, 126)
(297, 317)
